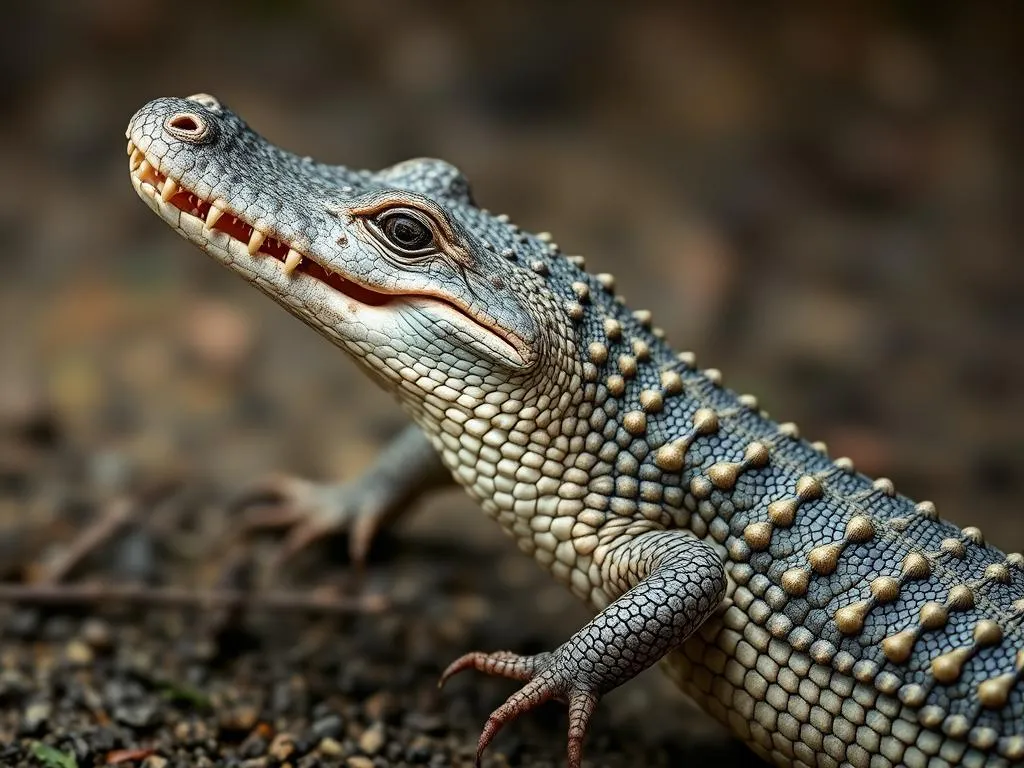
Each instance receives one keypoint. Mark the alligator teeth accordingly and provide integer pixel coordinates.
(137, 158)
(170, 187)
(131, 147)
(292, 261)
(146, 172)
(255, 241)
(212, 215)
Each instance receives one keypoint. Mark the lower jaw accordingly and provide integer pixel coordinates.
(297, 291)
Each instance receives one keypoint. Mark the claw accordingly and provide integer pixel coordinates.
(272, 497)
(544, 683)
(533, 694)
(361, 534)
(310, 512)
(282, 501)
(581, 707)
(301, 537)
(501, 663)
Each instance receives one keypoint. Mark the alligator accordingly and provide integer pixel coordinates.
(823, 617)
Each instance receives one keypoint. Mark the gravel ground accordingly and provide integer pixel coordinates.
(349, 680)
(821, 201)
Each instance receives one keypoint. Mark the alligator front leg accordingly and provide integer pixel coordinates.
(672, 583)
(404, 470)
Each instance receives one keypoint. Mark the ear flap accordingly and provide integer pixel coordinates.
(429, 177)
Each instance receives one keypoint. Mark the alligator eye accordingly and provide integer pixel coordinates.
(406, 232)
(208, 101)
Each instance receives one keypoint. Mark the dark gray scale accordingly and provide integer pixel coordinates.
(848, 584)
(931, 644)
(914, 594)
(722, 445)
(928, 535)
(850, 484)
(880, 622)
(986, 664)
(432, 178)
(884, 506)
(798, 609)
(754, 489)
(815, 524)
(1003, 596)
(976, 558)
(714, 395)
(961, 691)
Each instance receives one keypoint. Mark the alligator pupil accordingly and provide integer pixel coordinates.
(406, 232)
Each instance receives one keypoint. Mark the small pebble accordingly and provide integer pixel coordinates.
(380, 706)
(329, 726)
(330, 747)
(97, 634)
(254, 746)
(372, 739)
(240, 717)
(191, 732)
(435, 725)
(419, 750)
(35, 718)
(282, 747)
(78, 653)
(142, 714)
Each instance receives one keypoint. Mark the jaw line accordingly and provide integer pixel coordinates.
(309, 297)
(303, 293)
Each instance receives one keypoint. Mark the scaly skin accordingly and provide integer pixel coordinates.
(824, 618)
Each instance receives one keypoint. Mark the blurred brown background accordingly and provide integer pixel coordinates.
(823, 200)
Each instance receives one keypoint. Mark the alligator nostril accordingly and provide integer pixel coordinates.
(184, 123)
(186, 126)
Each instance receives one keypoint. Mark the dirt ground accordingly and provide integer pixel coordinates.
(822, 200)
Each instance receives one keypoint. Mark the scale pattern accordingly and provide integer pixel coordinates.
(824, 618)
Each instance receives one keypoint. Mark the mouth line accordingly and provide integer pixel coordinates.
(215, 218)
(212, 216)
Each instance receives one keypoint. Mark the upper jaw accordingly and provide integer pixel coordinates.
(223, 233)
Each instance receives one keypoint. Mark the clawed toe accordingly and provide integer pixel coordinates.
(500, 663)
(544, 681)
(310, 512)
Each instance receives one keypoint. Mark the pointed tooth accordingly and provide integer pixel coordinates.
(212, 215)
(146, 172)
(292, 261)
(170, 187)
(137, 158)
(255, 241)
(131, 147)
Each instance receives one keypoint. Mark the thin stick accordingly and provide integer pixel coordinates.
(177, 597)
(113, 519)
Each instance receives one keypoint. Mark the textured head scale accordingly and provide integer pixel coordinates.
(427, 291)
(429, 177)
